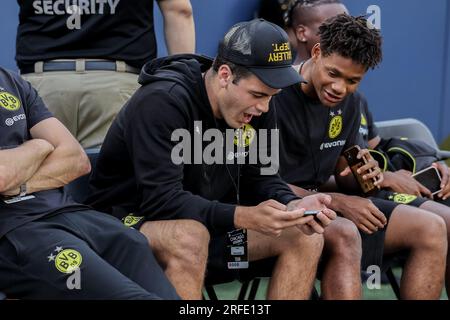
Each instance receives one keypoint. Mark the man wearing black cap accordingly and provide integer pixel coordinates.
(181, 195)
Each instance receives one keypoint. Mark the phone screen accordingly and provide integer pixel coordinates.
(429, 178)
(311, 212)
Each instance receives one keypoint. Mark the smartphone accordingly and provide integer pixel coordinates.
(429, 178)
(354, 163)
(311, 212)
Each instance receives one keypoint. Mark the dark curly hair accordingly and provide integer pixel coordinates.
(351, 37)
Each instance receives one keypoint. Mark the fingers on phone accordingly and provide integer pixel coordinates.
(325, 198)
(445, 193)
(424, 191)
(324, 219)
(316, 226)
(297, 222)
(364, 154)
(345, 172)
(329, 213)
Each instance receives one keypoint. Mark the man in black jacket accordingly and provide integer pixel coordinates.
(182, 194)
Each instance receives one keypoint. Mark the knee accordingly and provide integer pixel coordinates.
(311, 244)
(192, 236)
(433, 234)
(191, 240)
(343, 239)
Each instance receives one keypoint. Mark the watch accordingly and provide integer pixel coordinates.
(23, 190)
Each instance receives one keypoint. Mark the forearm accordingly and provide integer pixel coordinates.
(389, 179)
(63, 165)
(336, 198)
(300, 191)
(242, 217)
(18, 165)
(337, 201)
(179, 30)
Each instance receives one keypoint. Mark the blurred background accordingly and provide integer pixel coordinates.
(413, 80)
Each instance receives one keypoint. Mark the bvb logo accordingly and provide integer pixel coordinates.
(9, 102)
(335, 127)
(363, 120)
(404, 198)
(243, 137)
(131, 220)
(68, 260)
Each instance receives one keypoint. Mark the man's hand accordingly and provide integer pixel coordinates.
(361, 211)
(269, 217)
(402, 182)
(369, 171)
(445, 180)
(318, 202)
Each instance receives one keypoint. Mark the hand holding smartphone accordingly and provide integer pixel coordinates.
(313, 213)
(351, 155)
(430, 179)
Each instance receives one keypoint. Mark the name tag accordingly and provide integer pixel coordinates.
(237, 256)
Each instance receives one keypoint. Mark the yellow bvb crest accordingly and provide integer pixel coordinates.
(243, 137)
(335, 127)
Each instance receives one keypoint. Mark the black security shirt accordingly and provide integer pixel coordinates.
(101, 29)
(312, 136)
(20, 109)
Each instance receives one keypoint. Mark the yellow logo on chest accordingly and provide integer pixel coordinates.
(335, 127)
(9, 102)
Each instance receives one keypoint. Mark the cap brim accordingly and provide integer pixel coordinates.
(277, 78)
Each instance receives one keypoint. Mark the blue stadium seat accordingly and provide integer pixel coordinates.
(410, 128)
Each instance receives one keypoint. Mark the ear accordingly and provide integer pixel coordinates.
(300, 33)
(316, 52)
(224, 74)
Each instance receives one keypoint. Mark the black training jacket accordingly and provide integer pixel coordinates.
(136, 174)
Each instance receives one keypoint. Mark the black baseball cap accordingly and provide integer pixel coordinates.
(263, 48)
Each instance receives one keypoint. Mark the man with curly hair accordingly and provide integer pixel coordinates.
(320, 119)
(305, 17)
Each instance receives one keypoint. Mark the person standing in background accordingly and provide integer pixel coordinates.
(84, 57)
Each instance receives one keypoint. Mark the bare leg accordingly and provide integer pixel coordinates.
(181, 247)
(341, 278)
(423, 234)
(444, 212)
(295, 269)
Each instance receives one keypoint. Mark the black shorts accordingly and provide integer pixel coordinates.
(40, 259)
(373, 244)
(401, 198)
